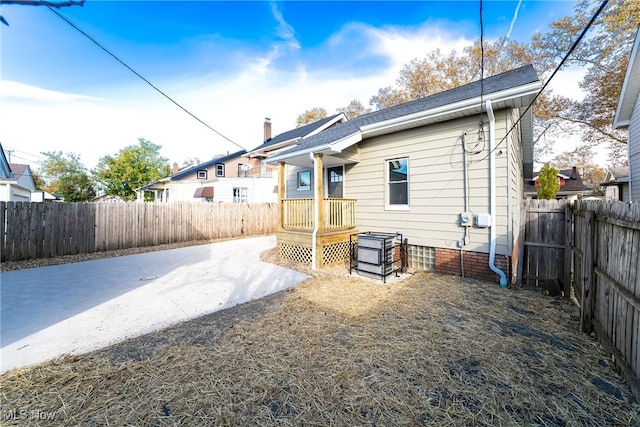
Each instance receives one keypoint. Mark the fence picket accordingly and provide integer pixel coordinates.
(42, 230)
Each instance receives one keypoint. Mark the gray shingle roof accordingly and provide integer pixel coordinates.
(511, 79)
(297, 133)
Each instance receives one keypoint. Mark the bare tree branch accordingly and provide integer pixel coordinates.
(599, 130)
(44, 3)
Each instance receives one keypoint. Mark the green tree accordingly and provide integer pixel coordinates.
(310, 116)
(38, 181)
(132, 167)
(548, 180)
(65, 174)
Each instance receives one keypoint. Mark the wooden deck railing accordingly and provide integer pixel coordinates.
(339, 214)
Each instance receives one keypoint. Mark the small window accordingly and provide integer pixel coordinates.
(243, 170)
(398, 184)
(304, 180)
(202, 174)
(220, 169)
(239, 195)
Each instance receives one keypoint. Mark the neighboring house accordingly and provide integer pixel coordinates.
(616, 184)
(45, 196)
(438, 170)
(210, 181)
(271, 146)
(16, 181)
(571, 186)
(628, 116)
(240, 177)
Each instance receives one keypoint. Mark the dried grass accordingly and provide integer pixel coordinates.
(340, 350)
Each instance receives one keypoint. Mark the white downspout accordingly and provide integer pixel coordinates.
(492, 195)
(316, 213)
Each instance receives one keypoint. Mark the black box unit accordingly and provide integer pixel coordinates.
(375, 254)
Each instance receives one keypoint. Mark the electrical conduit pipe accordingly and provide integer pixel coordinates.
(492, 195)
(316, 211)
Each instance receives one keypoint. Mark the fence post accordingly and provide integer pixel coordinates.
(586, 299)
(568, 242)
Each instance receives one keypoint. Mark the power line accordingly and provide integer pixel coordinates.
(564, 59)
(138, 75)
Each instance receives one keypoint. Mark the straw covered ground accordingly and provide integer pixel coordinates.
(344, 351)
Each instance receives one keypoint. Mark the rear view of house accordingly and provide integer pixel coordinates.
(444, 171)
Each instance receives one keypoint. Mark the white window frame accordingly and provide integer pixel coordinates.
(240, 195)
(303, 187)
(220, 169)
(387, 186)
(202, 174)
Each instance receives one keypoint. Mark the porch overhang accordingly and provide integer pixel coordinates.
(331, 152)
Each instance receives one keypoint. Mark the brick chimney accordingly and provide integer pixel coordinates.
(267, 129)
(175, 168)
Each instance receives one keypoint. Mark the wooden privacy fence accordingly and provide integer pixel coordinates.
(44, 230)
(607, 280)
(545, 243)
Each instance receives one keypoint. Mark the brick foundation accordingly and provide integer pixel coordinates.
(476, 264)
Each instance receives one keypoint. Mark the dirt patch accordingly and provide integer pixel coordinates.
(343, 350)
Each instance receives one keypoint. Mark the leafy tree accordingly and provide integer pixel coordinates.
(582, 159)
(548, 180)
(310, 116)
(66, 175)
(354, 109)
(604, 55)
(132, 167)
(38, 181)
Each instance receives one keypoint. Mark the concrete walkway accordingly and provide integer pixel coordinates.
(75, 308)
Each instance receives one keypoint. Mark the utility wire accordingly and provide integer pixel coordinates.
(138, 75)
(564, 59)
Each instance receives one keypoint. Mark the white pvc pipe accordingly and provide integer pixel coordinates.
(492, 195)
(316, 214)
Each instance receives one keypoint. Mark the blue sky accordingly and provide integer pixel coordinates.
(230, 63)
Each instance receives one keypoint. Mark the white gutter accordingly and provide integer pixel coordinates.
(316, 213)
(447, 109)
(492, 195)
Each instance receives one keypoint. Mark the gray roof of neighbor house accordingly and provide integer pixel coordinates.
(17, 171)
(619, 172)
(617, 175)
(501, 82)
(573, 185)
(195, 168)
(295, 134)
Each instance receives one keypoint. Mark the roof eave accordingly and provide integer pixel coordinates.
(630, 88)
(465, 107)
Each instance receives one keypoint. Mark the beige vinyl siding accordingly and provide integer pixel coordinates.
(436, 185)
(291, 184)
(634, 153)
(515, 173)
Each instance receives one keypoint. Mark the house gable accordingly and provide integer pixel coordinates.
(628, 116)
(513, 89)
(292, 136)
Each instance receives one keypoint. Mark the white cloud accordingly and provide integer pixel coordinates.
(284, 30)
(11, 89)
(514, 19)
(235, 105)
